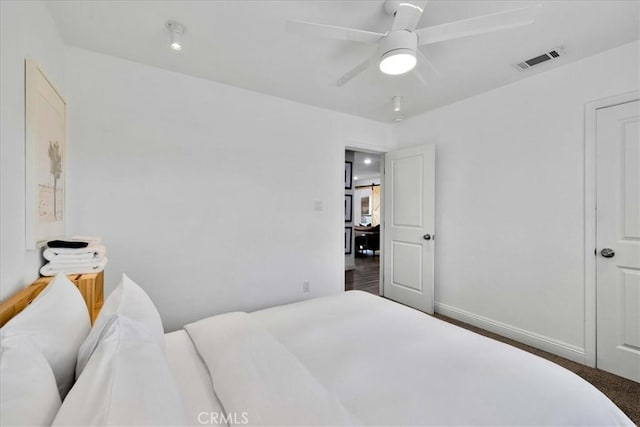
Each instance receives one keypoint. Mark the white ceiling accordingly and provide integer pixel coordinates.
(244, 44)
(365, 172)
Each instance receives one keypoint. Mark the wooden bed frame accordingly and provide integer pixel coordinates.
(91, 286)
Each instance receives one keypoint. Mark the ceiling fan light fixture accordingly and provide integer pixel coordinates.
(398, 52)
(398, 62)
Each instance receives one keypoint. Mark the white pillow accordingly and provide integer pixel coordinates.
(127, 299)
(126, 382)
(57, 322)
(28, 394)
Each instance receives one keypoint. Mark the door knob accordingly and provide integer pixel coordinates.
(607, 253)
(427, 237)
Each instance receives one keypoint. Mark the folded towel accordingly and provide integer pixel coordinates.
(71, 244)
(88, 258)
(91, 252)
(75, 242)
(92, 240)
(51, 269)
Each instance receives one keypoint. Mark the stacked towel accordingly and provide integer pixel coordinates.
(72, 260)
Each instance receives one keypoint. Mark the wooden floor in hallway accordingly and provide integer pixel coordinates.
(366, 275)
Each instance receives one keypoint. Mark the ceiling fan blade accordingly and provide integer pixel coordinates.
(331, 31)
(407, 15)
(346, 78)
(425, 71)
(479, 25)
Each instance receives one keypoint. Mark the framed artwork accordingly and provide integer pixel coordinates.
(364, 205)
(348, 232)
(348, 175)
(45, 157)
(348, 207)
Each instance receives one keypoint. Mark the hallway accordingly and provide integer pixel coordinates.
(366, 275)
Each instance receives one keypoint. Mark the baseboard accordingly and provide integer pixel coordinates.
(533, 339)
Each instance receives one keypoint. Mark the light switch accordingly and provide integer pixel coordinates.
(318, 206)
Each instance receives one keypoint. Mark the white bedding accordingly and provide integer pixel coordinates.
(371, 361)
(258, 379)
(200, 400)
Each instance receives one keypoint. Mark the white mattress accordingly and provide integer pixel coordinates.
(200, 400)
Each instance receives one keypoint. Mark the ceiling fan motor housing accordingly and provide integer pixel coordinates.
(399, 41)
(392, 6)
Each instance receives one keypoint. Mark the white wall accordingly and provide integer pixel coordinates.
(26, 31)
(510, 203)
(203, 193)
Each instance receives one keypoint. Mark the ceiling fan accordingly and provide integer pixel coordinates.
(398, 50)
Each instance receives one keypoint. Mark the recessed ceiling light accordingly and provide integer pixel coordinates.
(367, 161)
(177, 30)
(355, 178)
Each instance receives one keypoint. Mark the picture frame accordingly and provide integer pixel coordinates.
(348, 237)
(348, 208)
(348, 175)
(365, 205)
(45, 158)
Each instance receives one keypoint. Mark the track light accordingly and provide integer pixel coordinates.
(177, 30)
(397, 103)
(397, 108)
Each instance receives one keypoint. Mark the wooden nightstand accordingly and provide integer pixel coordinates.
(90, 285)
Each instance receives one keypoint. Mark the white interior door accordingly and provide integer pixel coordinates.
(618, 239)
(409, 185)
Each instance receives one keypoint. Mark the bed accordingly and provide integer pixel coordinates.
(348, 359)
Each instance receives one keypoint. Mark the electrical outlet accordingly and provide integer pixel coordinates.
(306, 286)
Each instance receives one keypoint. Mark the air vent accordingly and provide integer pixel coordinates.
(547, 56)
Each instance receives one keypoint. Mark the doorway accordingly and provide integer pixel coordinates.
(405, 237)
(364, 202)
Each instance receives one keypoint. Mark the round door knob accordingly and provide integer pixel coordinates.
(427, 237)
(607, 253)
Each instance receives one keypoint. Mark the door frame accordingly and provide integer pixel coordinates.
(381, 152)
(590, 219)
